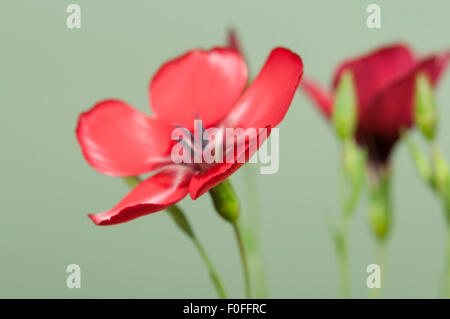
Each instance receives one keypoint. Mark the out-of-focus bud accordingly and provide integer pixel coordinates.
(345, 106)
(421, 162)
(441, 180)
(225, 201)
(441, 171)
(425, 106)
(380, 205)
(379, 218)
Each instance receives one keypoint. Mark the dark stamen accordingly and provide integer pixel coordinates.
(186, 145)
(186, 131)
(201, 128)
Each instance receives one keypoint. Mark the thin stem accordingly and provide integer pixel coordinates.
(182, 222)
(252, 233)
(447, 266)
(243, 259)
(350, 183)
(380, 256)
(344, 276)
(212, 272)
(227, 206)
(380, 215)
(440, 186)
(342, 253)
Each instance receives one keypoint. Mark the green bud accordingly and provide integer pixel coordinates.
(442, 180)
(379, 218)
(380, 205)
(225, 201)
(345, 106)
(425, 106)
(441, 171)
(180, 219)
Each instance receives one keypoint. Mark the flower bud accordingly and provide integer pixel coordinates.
(345, 106)
(225, 201)
(425, 106)
(379, 218)
(441, 171)
(380, 204)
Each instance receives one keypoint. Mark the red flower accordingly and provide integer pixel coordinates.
(121, 141)
(384, 81)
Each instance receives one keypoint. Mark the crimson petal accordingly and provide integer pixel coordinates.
(392, 108)
(121, 141)
(322, 98)
(376, 70)
(154, 194)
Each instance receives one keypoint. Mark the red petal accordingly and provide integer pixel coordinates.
(156, 193)
(202, 182)
(263, 105)
(267, 99)
(375, 71)
(118, 140)
(319, 96)
(204, 82)
(392, 108)
(435, 66)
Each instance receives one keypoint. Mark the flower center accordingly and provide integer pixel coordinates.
(200, 149)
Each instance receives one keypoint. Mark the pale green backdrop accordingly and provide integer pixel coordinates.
(49, 74)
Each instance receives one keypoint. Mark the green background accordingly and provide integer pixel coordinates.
(49, 74)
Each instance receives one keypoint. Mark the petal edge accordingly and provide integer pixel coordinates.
(118, 140)
(154, 194)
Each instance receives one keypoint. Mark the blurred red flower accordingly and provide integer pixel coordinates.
(121, 141)
(384, 82)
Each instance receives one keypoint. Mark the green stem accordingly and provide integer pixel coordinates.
(380, 206)
(344, 277)
(226, 204)
(245, 268)
(252, 233)
(342, 253)
(380, 214)
(380, 256)
(182, 222)
(351, 183)
(212, 272)
(447, 265)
